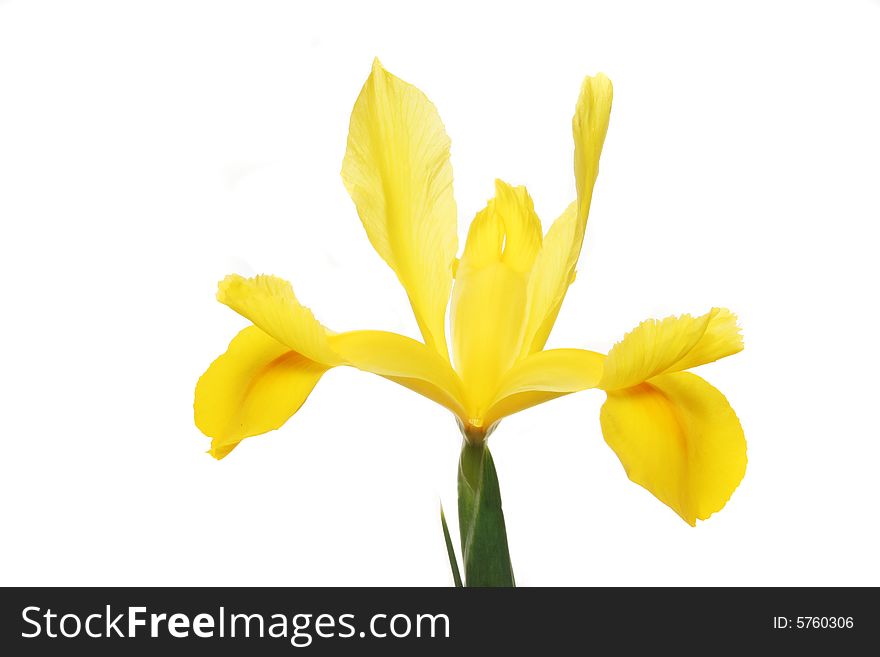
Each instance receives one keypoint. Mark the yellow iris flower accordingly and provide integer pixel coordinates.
(675, 434)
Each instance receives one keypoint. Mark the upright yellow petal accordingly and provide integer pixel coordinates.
(489, 297)
(675, 343)
(589, 126)
(678, 437)
(549, 281)
(555, 266)
(269, 302)
(397, 171)
(255, 387)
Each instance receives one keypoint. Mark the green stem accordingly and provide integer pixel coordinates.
(481, 521)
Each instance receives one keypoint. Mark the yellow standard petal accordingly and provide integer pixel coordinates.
(255, 387)
(551, 276)
(489, 297)
(678, 437)
(397, 171)
(676, 343)
(555, 266)
(589, 127)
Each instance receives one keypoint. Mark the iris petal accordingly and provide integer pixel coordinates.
(543, 376)
(269, 302)
(397, 171)
(402, 360)
(270, 368)
(660, 346)
(489, 298)
(254, 387)
(678, 437)
(554, 268)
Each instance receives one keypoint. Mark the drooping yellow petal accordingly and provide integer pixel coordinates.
(269, 302)
(397, 171)
(678, 437)
(542, 376)
(555, 266)
(259, 383)
(669, 345)
(402, 360)
(489, 297)
(254, 387)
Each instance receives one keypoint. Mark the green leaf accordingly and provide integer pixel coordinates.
(481, 520)
(450, 550)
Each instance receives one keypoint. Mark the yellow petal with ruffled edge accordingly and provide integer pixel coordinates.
(269, 302)
(678, 437)
(259, 383)
(555, 266)
(489, 297)
(721, 338)
(397, 171)
(254, 387)
(669, 345)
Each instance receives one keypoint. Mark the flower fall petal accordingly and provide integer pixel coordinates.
(678, 437)
(543, 376)
(254, 387)
(660, 346)
(269, 302)
(554, 370)
(402, 360)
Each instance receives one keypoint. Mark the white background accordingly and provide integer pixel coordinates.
(149, 148)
